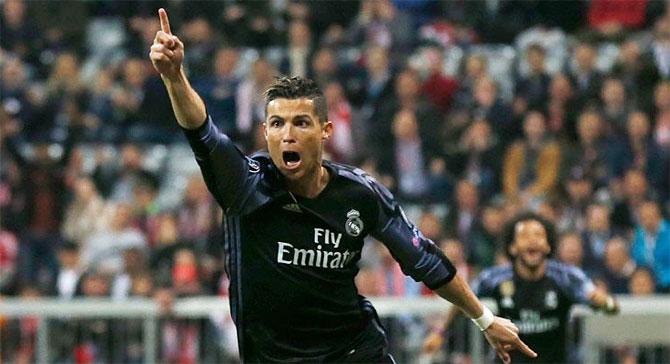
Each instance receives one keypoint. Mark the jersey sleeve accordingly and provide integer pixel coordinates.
(483, 286)
(576, 284)
(225, 168)
(418, 256)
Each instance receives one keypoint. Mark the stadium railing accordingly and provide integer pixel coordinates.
(643, 321)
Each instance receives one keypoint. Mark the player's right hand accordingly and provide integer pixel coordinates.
(503, 335)
(167, 52)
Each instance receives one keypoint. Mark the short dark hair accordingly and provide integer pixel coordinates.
(295, 88)
(510, 230)
(69, 246)
(536, 47)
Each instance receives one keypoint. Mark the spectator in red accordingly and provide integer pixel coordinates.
(438, 87)
(611, 18)
(9, 248)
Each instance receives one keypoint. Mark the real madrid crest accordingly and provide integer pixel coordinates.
(354, 224)
(507, 288)
(507, 291)
(551, 299)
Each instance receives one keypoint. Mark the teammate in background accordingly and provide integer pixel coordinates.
(535, 292)
(294, 227)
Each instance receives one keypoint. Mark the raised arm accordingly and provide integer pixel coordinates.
(224, 167)
(167, 56)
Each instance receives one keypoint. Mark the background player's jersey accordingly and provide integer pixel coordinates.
(292, 260)
(539, 308)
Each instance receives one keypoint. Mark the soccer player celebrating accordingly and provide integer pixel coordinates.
(294, 227)
(535, 292)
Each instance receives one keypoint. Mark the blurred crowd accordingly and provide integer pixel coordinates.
(469, 111)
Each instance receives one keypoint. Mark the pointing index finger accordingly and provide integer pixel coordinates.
(525, 349)
(165, 22)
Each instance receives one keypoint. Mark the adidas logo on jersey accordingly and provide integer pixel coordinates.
(292, 207)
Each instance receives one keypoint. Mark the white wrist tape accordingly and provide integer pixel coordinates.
(609, 304)
(485, 320)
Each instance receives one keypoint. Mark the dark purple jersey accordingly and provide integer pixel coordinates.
(539, 308)
(292, 260)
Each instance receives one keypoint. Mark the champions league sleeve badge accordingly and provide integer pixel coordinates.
(254, 166)
(354, 224)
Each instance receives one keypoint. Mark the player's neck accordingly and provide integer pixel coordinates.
(529, 273)
(312, 184)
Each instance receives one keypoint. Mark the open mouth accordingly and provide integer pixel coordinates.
(533, 252)
(291, 159)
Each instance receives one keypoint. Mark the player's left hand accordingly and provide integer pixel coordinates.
(612, 306)
(503, 335)
(601, 300)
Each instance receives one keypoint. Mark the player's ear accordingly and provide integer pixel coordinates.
(327, 130)
(265, 131)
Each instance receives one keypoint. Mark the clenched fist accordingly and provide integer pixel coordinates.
(167, 52)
